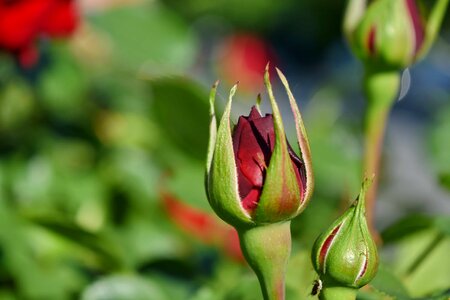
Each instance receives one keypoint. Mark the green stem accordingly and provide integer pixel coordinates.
(381, 90)
(267, 249)
(338, 293)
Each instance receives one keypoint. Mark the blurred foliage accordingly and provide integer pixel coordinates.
(93, 135)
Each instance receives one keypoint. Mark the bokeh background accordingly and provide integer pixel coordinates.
(103, 134)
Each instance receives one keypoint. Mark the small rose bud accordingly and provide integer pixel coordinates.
(253, 175)
(391, 34)
(346, 254)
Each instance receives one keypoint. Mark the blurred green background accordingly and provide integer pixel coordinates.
(103, 142)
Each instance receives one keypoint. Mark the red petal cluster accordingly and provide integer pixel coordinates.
(253, 144)
(22, 22)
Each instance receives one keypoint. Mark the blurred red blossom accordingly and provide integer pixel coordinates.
(244, 57)
(205, 227)
(23, 22)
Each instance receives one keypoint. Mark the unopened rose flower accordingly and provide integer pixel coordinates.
(345, 255)
(257, 183)
(391, 34)
(253, 175)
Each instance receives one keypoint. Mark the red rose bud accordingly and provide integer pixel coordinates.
(253, 144)
(253, 175)
(346, 254)
(391, 34)
(22, 22)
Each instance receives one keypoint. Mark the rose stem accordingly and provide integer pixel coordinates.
(381, 90)
(267, 249)
(338, 293)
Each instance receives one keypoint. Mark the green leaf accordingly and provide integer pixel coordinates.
(439, 143)
(108, 253)
(147, 34)
(123, 287)
(409, 225)
(180, 107)
(413, 224)
(388, 283)
(63, 86)
(186, 184)
(422, 261)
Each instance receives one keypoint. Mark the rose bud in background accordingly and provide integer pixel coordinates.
(256, 183)
(23, 22)
(391, 34)
(345, 255)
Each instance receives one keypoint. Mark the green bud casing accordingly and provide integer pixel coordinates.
(391, 34)
(346, 254)
(283, 195)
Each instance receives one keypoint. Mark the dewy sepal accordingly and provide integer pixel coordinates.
(345, 254)
(253, 177)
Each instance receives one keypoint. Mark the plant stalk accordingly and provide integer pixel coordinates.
(338, 293)
(267, 249)
(381, 90)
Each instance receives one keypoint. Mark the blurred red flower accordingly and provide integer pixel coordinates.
(205, 227)
(22, 22)
(244, 57)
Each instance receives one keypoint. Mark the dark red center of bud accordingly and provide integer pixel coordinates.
(416, 20)
(371, 40)
(253, 144)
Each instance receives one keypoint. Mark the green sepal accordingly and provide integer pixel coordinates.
(280, 197)
(433, 24)
(354, 12)
(222, 180)
(212, 127)
(351, 258)
(303, 143)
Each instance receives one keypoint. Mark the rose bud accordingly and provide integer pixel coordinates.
(391, 34)
(253, 175)
(345, 255)
(256, 183)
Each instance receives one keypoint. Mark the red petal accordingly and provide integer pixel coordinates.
(63, 19)
(20, 22)
(371, 41)
(326, 245)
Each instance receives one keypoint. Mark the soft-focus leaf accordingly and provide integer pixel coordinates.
(109, 254)
(62, 87)
(389, 284)
(181, 108)
(407, 226)
(152, 36)
(422, 261)
(439, 142)
(123, 287)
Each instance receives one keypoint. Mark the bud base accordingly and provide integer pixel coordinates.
(267, 249)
